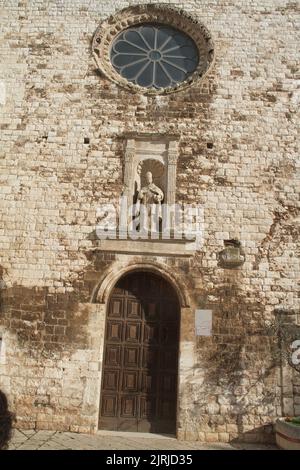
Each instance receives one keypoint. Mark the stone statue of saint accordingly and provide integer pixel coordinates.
(149, 198)
(150, 194)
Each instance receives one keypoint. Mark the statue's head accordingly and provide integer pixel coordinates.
(149, 177)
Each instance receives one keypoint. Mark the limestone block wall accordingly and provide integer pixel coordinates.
(62, 128)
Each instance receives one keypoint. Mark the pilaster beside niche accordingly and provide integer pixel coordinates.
(158, 155)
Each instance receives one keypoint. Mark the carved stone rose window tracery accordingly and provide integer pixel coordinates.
(153, 49)
(154, 56)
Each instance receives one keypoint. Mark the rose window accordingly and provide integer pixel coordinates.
(154, 56)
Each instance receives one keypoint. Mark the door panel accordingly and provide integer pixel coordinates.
(113, 355)
(109, 405)
(111, 380)
(133, 332)
(116, 309)
(133, 309)
(139, 379)
(130, 381)
(114, 331)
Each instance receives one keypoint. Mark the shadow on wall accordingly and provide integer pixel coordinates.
(2, 287)
(6, 422)
(254, 436)
(237, 369)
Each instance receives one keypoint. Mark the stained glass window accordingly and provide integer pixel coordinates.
(154, 56)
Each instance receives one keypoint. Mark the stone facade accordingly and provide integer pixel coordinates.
(63, 130)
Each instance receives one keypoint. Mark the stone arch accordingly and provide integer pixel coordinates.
(111, 276)
(140, 371)
(100, 298)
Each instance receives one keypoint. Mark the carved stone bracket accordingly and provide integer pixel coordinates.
(232, 256)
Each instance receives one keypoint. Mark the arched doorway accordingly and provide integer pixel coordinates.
(140, 363)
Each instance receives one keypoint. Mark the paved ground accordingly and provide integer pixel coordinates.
(105, 440)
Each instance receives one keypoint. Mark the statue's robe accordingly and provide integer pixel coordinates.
(150, 198)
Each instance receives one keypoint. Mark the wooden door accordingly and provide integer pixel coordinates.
(139, 379)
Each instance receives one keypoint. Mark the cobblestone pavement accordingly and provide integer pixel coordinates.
(105, 440)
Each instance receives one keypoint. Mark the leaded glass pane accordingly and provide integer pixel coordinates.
(154, 56)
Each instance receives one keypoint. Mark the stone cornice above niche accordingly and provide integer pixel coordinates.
(166, 248)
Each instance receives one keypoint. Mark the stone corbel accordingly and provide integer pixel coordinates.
(232, 256)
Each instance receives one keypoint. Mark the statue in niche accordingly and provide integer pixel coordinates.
(149, 201)
(150, 194)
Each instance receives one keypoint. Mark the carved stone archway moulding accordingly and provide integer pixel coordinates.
(111, 276)
(162, 14)
(100, 300)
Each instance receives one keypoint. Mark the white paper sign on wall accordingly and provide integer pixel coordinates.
(203, 322)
